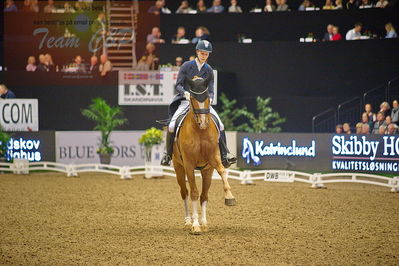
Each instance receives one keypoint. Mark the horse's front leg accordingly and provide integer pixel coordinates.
(194, 195)
(229, 199)
(181, 180)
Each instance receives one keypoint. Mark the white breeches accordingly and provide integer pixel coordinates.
(183, 107)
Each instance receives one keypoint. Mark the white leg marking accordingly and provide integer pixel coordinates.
(187, 211)
(195, 213)
(203, 213)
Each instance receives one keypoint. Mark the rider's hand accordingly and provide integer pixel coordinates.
(210, 101)
(187, 95)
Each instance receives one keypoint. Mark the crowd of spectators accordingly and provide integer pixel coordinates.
(77, 65)
(50, 7)
(385, 121)
(333, 34)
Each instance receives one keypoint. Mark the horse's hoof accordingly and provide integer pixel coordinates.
(188, 225)
(196, 230)
(204, 228)
(230, 202)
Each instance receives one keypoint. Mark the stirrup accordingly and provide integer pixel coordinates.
(166, 160)
(229, 160)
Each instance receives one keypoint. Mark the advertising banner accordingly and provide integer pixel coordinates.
(33, 146)
(19, 115)
(150, 87)
(319, 152)
(81, 147)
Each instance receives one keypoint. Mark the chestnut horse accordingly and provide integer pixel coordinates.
(197, 147)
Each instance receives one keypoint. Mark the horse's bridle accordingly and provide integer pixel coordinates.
(199, 111)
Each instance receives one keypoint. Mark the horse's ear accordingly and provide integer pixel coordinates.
(189, 82)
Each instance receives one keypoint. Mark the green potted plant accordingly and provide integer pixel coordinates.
(108, 118)
(4, 139)
(149, 139)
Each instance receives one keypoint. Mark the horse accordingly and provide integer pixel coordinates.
(197, 147)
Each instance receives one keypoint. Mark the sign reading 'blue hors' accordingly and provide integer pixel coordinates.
(319, 152)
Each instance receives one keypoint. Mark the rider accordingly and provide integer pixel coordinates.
(190, 69)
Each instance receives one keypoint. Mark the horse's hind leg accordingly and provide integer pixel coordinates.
(206, 184)
(181, 180)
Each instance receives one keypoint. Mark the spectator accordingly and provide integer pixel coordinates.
(184, 8)
(216, 7)
(50, 7)
(381, 130)
(68, 8)
(329, 34)
(388, 120)
(365, 129)
(31, 66)
(93, 68)
(354, 34)
(155, 36)
(336, 35)
(201, 7)
(34, 6)
(159, 8)
(282, 5)
(178, 63)
(392, 129)
(365, 4)
(381, 4)
(149, 61)
(105, 65)
(380, 122)
(359, 128)
(79, 7)
(80, 67)
(234, 7)
(347, 128)
(366, 119)
(395, 112)
(351, 4)
(5, 93)
(369, 110)
(338, 4)
(328, 5)
(42, 66)
(48, 60)
(201, 33)
(191, 58)
(269, 7)
(385, 108)
(339, 129)
(26, 7)
(10, 6)
(305, 4)
(180, 36)
(391, 33)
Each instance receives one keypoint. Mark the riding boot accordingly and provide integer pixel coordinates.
(227, 158)
(167, 157)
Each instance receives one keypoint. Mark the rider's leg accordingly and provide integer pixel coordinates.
(227, 158)
(170, 137)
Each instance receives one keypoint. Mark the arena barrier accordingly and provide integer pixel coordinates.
(316, 180)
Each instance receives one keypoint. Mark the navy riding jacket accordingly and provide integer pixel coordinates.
(189, 69)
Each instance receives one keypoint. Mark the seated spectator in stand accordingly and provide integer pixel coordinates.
(388, 120)
(347, 128)
(234, 7)
(155, 36)
(391, 33)
(79, 7)
(180, 36)
(395, 112)
(184, 8)
(339, 129)
(328, 5)
(336, 35)
(392, 129)
(359, 128)
(329, 34)
(351, 4)
(10, 6)
(80, 67)
(31, 66)
(201, 7)
(50, 7)
(42, 66)
(366, 119)
(149, 61)
(365, 129)
(282, 5)
(305, 4)
(381, 4)
(216, 7)
(105, 65)
(382, 130)
(385, 108)
(93, 68)
(354, 34)
(201, 33)
(380, 122)
(68, 8)
(26, 7)
(34, 6)
(48, 60)
(159, 8)
(5, 93)
(369, 110)
(365, 4)
(191, 58)
(178, 63)
(338, 4)
(269, 6)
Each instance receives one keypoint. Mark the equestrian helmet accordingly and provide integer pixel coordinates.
(204, 45)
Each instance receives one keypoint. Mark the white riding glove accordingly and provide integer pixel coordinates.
(187, 95)
(210, 101)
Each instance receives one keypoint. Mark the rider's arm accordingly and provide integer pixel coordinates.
(210, 85)
(181, 80)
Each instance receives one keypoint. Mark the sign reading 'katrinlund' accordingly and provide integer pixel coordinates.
(319, 152)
